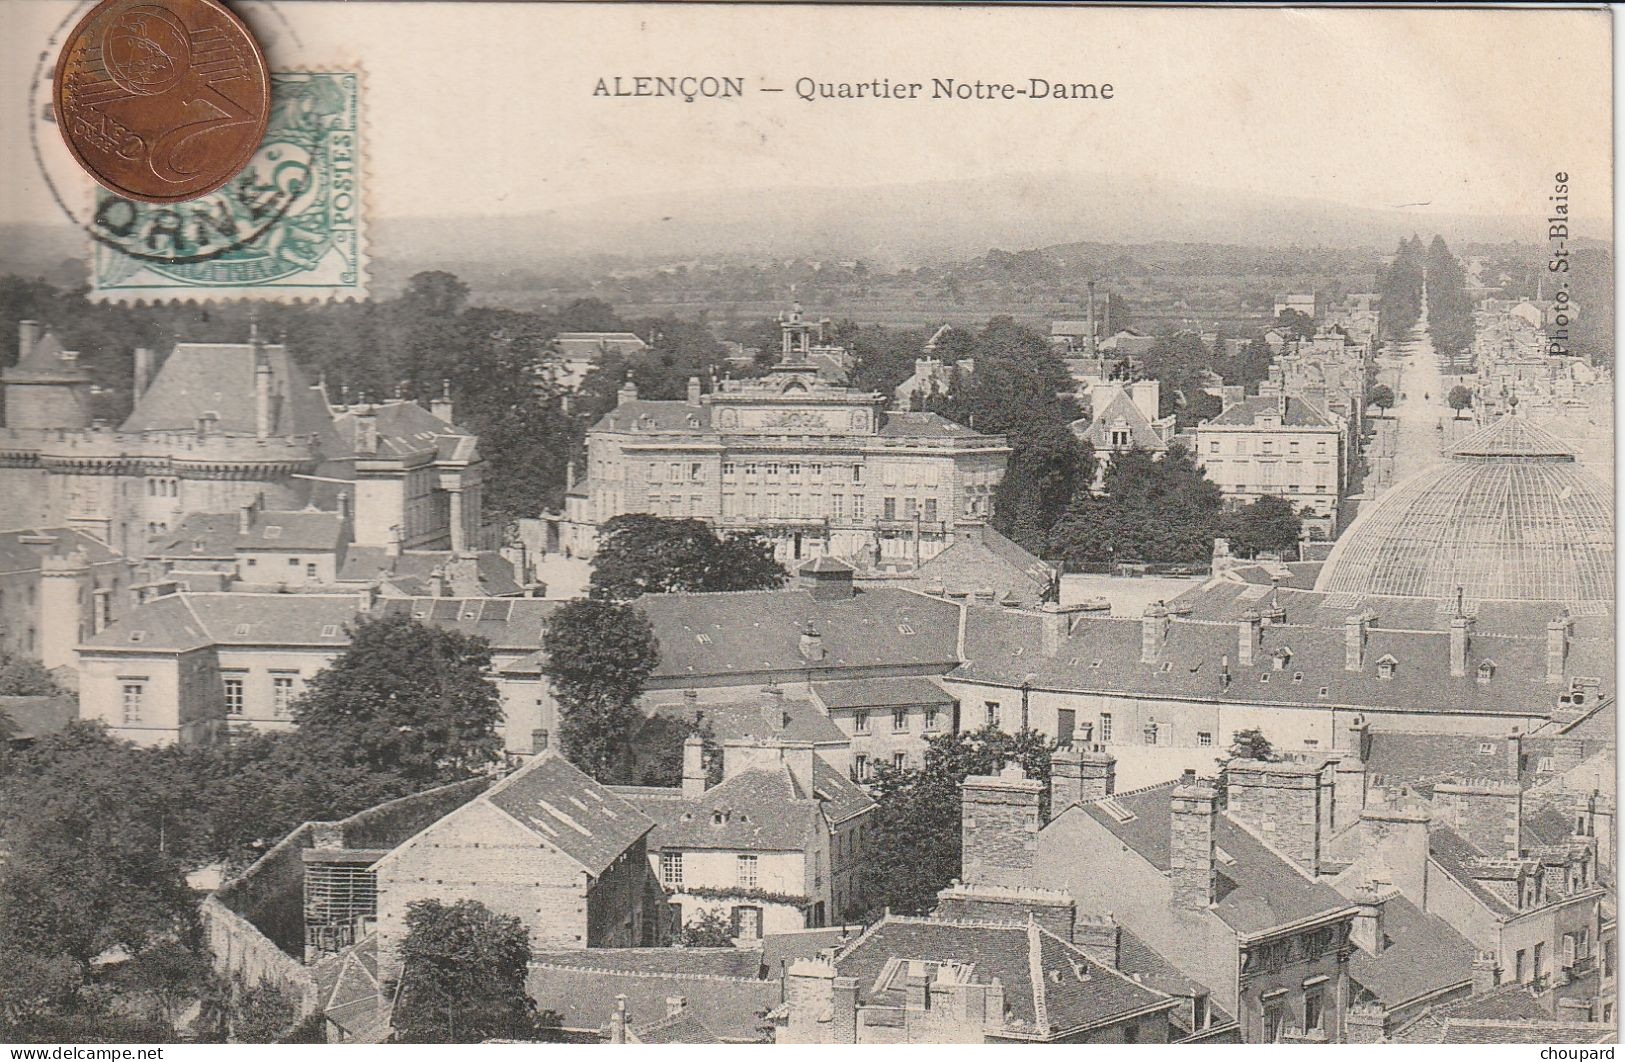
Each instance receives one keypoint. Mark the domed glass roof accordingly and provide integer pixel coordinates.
(1510, 517)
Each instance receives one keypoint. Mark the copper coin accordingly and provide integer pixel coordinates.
(162, 100)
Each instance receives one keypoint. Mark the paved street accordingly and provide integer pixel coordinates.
(1409, 440)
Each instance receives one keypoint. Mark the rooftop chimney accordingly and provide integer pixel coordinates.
(437, 582)
(143, 371)
(28, 336)
(1557, 648)
(1486, 973)
(1153, 632)
(1459, 643)
(675, 1005)
(812, 643)
(1369, 930)
(1356, 633)
(262, 394)
(1080, 775)
(693, 390)
(1249, 635)
(999, 824)
(441, 407)
(774, 714)
(617, 1021)
(1100, 937)
(366, 431)
(693, 766)
(1057, 626)
(1193, 814)
(1280, 802)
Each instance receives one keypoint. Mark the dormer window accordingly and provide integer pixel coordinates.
(1486, 670)
(1386, 666)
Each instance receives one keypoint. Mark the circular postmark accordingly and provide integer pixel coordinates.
(161, 101)
(136, 230)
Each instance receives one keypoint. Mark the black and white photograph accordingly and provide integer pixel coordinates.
(559, 523)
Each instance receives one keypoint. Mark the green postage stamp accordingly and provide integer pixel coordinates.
(290, 226)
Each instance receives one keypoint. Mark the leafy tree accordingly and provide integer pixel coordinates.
(164, 979)
(1268, 525)
(405, 699)
(599, 655)
(708, 929)
(261, 1013)
(93, 845)
(1251, 744)
(1300, 324)
(642, 554)
(1156, 511)
(22, 677)
(917, 822)
(463, 975)
(1381, 396)
(36, 985)
(1401, 290)
(1461, 397)
(659, 751)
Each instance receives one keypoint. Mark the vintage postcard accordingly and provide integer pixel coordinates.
(823, 523)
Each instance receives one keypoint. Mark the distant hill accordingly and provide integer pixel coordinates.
(897, 224)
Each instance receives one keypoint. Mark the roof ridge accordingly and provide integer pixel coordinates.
(1035, 972)
(542, 964)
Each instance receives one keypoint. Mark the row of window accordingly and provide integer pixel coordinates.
(1267, 446)
(863, 766)
(282, 695)
(791, 470)
(671, 870)
(899, 720)
(293, 562)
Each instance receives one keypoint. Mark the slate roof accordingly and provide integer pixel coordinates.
(351, 995)
(711, 962)
(591, 343)
(984, 559)
(412, 568)
(1508, 1014)
(1145, 964)
(1001, 646)
(1257, 889)
(880, 692)
(1451, 853)
(646, 414)
(842, 798)
(1121, 410)
(681, 1028)
(1299, 413)
(218, 378)
(736, 720)
(1423, 955)
(585, 996)
(1050, 986)
(207, 535)
(755, 810)
(46, 361)
(760, 630)
(19, 556)
(569, 811)
(301, 530)
(781, 949)
(1422, 760)
(404, 429)
(900, 425)
(191, 620)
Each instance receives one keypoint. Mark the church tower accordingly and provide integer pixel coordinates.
(47, 388)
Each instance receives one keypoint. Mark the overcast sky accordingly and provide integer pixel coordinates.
(486, 108)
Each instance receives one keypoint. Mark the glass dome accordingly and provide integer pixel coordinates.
(1510, 517)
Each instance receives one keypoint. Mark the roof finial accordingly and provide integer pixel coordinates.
(1461, 605)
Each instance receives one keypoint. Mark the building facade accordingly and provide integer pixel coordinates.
(820, 468)
(1281, 445)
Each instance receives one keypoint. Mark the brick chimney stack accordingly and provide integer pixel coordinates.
(1460, 643)
(1153, 632)
(999, 824)
(1080, 775)
(1249, 636)
(1194, 814)
(1557, 648)
(693, 766)
(1356, 634)
(1281, 802)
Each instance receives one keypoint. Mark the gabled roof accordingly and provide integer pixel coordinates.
(980, 558)
(760, 631)
(209, 535)
(798, 720)
(1300, 413)
(308, 530)
(582, 988)
(1002, 646)
(1257, 888)
(1498, 1016)
(17, 555)
(47, 360)
(1421, 760)
(880, 692)
(924, 426)
(1050, 986)
(1423, 954)
(841, 797)
(569, 811)
(755, 810)
(683, 1027)
(404, 429)
(219, 378)
(1122, 411)
(645, 414)
(1452, 853)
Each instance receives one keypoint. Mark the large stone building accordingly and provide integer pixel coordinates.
(220, 426)
(1277, 444)
(819, 467)
(57, 587)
